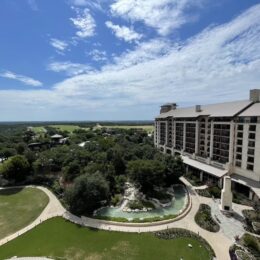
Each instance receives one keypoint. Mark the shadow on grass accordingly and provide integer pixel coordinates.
(11, 191)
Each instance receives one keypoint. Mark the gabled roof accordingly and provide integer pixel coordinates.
(228, 109)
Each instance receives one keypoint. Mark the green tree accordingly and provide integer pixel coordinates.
(87, 193)
(16, 168)
(174, 169)
(71, 171)
(146, 173)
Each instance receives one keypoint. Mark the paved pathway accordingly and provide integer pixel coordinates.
(220, 241)
(54, 208)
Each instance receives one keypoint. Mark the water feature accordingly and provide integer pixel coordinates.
(177, 206)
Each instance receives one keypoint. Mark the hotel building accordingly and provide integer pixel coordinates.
(215, 140)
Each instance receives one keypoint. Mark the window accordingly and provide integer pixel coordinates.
(239, 149)
(252, 128)
(251, 144)
(251, 136)
(239, 157)
(251, 151)
(250, 167)
(239, 142)
(240, 134)
(238, 163)
(240, 127)
(250, 159)
(253, 119)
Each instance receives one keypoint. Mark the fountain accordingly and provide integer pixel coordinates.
(174, 207)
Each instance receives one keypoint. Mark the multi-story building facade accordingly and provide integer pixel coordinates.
(215, 140)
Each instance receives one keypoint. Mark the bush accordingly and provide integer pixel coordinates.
(179, 232)
(251, 242)
(116, 199)
(204, 219)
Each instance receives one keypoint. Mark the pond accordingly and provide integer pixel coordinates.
(178, 205)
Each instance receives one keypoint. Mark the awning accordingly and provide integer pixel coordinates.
(253, 185)
(204, 167)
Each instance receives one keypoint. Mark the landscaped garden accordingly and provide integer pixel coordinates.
(204, 219)
(246, 248)
(193, 179)
(252, 220)
(59, 239)
(19, 207)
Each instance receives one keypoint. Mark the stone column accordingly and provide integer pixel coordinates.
(226, 195)
(201, 176)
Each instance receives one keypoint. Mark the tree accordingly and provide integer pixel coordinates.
(71, 171)
(87, 193)
(146, 173)
(174, 169)
(16, 168)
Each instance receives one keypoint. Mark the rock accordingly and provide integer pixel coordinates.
(190, 245)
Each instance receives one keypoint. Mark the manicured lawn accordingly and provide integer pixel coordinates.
(20, 207)
(60, 239)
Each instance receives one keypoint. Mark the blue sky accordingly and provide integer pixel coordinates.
(121, 59)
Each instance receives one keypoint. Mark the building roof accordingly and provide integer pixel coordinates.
(204, 167)
(57, 136)
(254, 110)
(254, 185)
(228, 109)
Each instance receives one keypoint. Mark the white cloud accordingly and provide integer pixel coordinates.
(123, 32)
(163, 15)
(219, 64)
(59, 45)
(24, 79)
(226, 55)
(98, 55)
(84, 22)
(69, 68)
(94, 4)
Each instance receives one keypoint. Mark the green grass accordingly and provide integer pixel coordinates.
(39, 129)
(69, 128)
(59, 239)
(148, 128)
(20, 207)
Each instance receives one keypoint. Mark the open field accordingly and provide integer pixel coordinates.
(20, 207)
(148, 128)
(39, 129)
(60, 239)
(69, 128)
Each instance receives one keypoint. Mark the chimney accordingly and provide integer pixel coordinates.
(255, 95)
(198, 108)
(167, 107)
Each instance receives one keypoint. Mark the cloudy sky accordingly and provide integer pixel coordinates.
(121, 59)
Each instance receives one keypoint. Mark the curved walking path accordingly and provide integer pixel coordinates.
(53, 209)
(220, 242)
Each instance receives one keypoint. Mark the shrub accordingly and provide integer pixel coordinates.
(179, 232)
(251, 242)
(204, 220)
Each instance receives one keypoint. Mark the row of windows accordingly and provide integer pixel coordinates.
(249, 166)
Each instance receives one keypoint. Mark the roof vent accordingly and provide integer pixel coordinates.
(255, 95)
(198, 108)
(167, 107)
